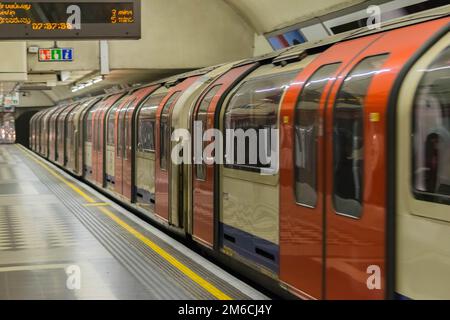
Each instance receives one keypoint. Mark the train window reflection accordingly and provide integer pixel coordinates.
(147, 124)
(431, 136)
(166, 131)
(88, 123)
(306, 133)
(254, 110)
(348, 140)
(111, 124)
(202, 115)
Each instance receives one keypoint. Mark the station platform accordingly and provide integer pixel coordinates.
(60, 239)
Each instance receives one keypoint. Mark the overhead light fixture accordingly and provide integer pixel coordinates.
(88, 83)
(98, 79)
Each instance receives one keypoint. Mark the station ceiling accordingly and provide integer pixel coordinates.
(172, 41)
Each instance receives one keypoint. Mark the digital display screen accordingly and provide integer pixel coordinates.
(80, 19)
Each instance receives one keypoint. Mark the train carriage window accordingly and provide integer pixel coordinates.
(52, 127)
(111, 124)
(348, 140)
(126, 129)
(306, 132)
(147, 124)
(121, 132)
(251, 115)
(202, 116)
(69, 135)
(88, 125)
(166, 131)
(61, 129)
(431, 133)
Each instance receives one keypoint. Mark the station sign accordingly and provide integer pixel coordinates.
(9, 102)
(61, 20)
(56, 55)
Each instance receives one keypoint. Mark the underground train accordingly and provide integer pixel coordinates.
(352, 203)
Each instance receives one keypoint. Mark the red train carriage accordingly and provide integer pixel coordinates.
(337, 205)
(124, 133)
(336, 173)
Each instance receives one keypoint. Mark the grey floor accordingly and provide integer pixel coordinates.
(53, 246)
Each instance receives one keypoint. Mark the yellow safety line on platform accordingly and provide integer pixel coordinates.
(160, 251)
(59, 177)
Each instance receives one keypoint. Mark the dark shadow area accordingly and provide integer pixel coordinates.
(23, 128)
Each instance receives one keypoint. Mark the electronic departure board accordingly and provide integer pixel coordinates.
(80, 19)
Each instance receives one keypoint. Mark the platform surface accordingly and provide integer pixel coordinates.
(60, 239)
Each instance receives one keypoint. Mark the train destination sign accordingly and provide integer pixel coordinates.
(80, 19)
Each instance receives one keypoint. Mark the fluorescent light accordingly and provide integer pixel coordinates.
(86, 84)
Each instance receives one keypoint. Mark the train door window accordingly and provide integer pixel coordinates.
(251, 114)
(88, 126)
(147, 124)
(69, 134)
(431, 132)
(120, 149)
(166, 131)
(126, 129)
(61, 129)
(52, 128)
(111, 124)
(97, 131)
(120, 135)
(307, 128)
(348, 140)
(202, 116)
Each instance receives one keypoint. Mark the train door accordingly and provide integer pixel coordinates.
(145, 149)
(45, 124)
(125, 160)
(62, 135)
(356, 203)
(203, 181)
(53, 136)
(121, 143)
(336, 210)
(88, 142)
(32, 134)
(43, 133)
(81, 137)
(111, 115)
(70, 141)
(100, 151)
(163, 148)
(302, 172)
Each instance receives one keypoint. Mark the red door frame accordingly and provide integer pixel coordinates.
(302, 261)
(98, 122)
(203, 228)
(162, 204)
(125, 167)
